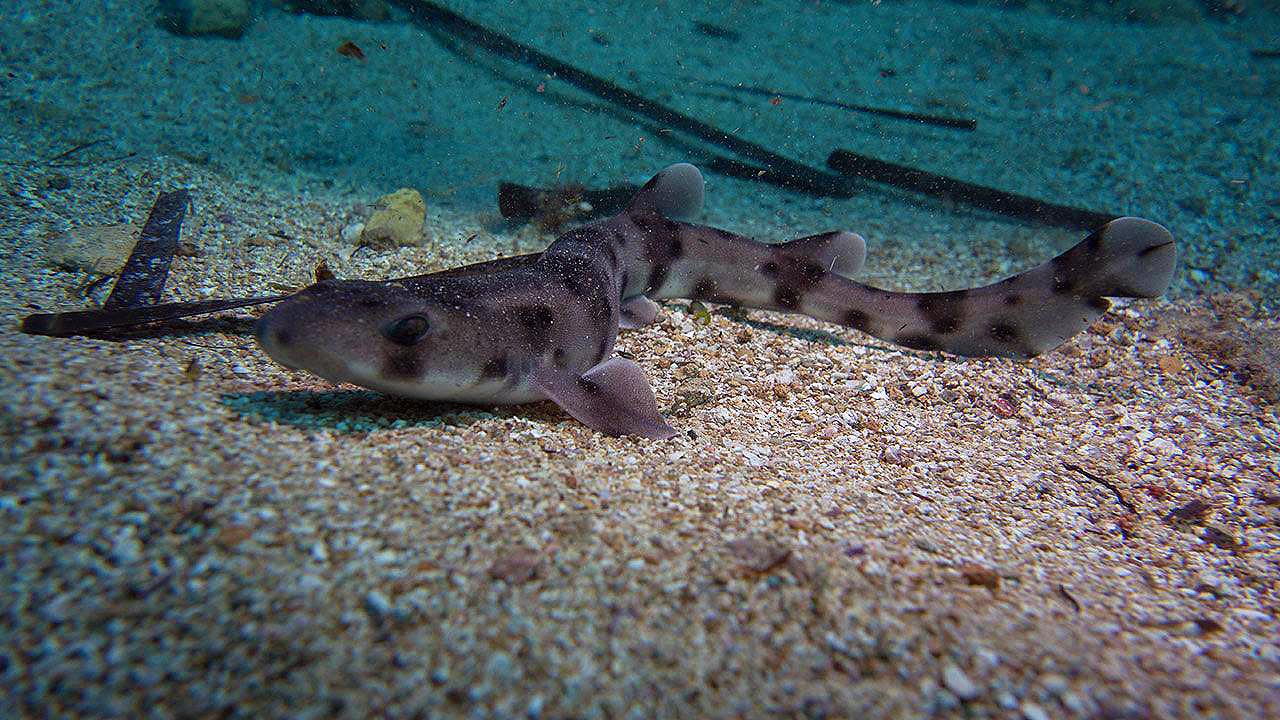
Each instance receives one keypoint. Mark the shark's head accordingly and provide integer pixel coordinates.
(377, 335)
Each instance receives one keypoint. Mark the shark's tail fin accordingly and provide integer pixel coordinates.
(676, 193)
(1020, 316)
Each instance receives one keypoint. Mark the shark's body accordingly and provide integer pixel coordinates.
(543, 326)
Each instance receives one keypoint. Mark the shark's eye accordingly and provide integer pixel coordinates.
(407, 330)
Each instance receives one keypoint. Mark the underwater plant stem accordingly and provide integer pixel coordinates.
(87, 322)
(1022, 207)
(798, 176)
(935, 120)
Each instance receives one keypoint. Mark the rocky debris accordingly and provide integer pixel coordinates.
(397, 221)
(101, 249)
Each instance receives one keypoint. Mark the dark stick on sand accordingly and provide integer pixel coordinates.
(90, 322)
(798, 176)
(97, 322)
(935, 120)
(142, 280)
(940, 186)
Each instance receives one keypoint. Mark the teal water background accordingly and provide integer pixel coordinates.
(1171, 115)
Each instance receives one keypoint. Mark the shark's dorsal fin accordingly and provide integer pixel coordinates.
(676, 192)
(840, 252)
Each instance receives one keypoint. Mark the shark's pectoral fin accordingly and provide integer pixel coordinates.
(637, 312)
(613, 397)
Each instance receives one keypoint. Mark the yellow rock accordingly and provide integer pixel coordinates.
(397, 221)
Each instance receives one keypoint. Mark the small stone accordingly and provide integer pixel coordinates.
(232, 535)
(516, 566)
(1032, 711)
(397, 221)
(125, 547)
(227, 18)
(759, 554)
(975, 574)
(959, 683)
(57, 181)
(101, 249)
(377, 605)
(351, 233)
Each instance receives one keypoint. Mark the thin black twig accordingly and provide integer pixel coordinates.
(952, 123)
(863, 167)
(1104, 483)
(74, 150)
(92, 322)
(800, 177)
(1062, 590)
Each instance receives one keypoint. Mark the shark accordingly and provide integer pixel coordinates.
(544, 326)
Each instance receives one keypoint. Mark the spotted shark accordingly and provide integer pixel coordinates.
(544, 326)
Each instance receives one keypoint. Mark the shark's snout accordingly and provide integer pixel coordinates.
(276, 339)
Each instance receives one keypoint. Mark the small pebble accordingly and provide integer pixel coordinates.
(377, 605)
(1032, 711)
(959, 683)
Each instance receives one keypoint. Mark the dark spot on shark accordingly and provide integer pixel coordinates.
(663, 246)
(495, 369)
(1004, 332)
(918, 341)
(707, 289)
(603, 309)
(812, 273)
(795, 276)
(1064, 275)
(858, 320)
(657, 277)
(560, 357)
(786, 297)
(536, 321)
(943, 310)
(588, 386)
(1012, 300)
(1093, 243)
